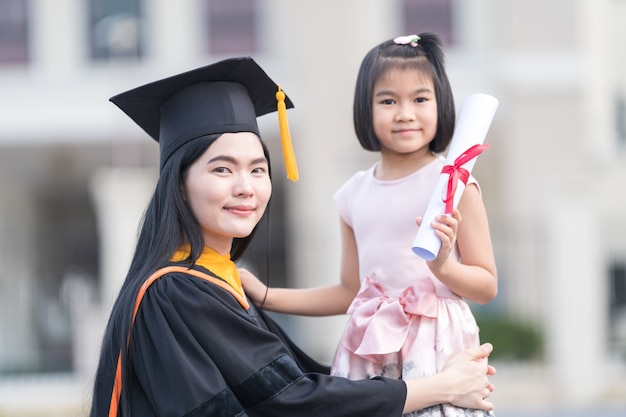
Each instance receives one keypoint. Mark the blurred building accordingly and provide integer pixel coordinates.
(75, 173)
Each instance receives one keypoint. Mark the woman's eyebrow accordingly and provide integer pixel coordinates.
(226, 158)
(222, 158)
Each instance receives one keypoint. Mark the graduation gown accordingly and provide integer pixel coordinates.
(197, 352)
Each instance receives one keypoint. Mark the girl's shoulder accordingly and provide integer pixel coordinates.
(358, 178)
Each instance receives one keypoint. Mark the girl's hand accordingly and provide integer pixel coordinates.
(254, 289)
(445, 227)
(469, 370)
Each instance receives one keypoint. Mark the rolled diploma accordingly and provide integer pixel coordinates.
(471, 129)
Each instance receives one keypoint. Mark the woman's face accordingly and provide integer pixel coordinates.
(228, 189)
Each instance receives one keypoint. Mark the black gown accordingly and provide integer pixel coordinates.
(197, 352)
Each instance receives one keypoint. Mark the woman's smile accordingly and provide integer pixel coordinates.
(241, 210)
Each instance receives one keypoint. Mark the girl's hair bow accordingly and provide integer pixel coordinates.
(407, 40)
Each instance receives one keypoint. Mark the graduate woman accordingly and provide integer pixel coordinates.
(182, 338)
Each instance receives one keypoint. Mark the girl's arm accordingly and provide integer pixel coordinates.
(475, 276)
(318, 301)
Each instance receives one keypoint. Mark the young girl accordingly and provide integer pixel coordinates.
(182, 339)
(407, 315)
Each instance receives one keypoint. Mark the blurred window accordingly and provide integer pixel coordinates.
(618, 285)
(429, 16)
(617, 308)
(13, 31)
(231, 26)
(620, 118)
(116, 29)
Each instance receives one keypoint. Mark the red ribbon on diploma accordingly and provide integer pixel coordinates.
(457, 172)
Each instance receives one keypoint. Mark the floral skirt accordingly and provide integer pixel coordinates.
(405, 337)
(447, 410)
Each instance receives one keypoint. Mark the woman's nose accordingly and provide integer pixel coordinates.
(244, 185)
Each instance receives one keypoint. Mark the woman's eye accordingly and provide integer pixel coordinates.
(221, 170)
(420, 100)
(259, 170)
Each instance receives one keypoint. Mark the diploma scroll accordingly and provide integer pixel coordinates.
(466, 145)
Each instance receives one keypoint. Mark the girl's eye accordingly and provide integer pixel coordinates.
(259, 170)
(387, 101)
(420, 100)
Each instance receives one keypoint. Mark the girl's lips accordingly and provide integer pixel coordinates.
(405, 130)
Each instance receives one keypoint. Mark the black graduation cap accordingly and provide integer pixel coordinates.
(223, 97)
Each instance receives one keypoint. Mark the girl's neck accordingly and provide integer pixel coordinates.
(394, 165)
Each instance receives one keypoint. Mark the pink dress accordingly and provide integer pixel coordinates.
(404, 323)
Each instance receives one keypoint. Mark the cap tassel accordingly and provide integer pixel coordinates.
(285, 138)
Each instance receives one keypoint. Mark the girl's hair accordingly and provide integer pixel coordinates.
(428, 58)
(168, 223)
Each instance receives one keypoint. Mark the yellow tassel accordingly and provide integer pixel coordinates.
(285, 137)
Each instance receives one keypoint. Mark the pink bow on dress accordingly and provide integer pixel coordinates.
(379, 324)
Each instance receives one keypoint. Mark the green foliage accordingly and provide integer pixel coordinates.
(511, 338)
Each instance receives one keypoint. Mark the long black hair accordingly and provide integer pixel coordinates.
(426, 57)
(168, 223)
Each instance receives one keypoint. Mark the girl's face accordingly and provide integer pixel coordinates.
(404, 111)
(228, 189)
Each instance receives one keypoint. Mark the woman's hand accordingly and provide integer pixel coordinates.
(463, 383)
(254, 289)
(467, 373)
